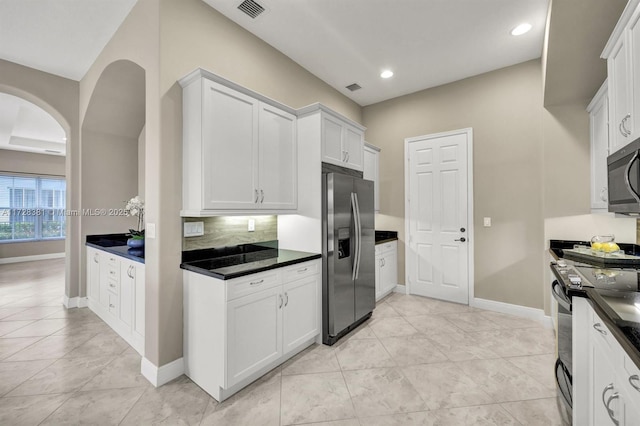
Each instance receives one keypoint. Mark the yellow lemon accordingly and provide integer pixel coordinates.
(597, 246)
(609, 247)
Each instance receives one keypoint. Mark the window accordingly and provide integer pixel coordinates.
(31, 208)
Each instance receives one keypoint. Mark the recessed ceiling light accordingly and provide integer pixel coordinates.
(386, 74)
(521, 29)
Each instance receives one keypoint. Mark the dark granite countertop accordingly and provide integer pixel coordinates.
(245, 259)
(386, 236)
(627, 333)
(115, 244)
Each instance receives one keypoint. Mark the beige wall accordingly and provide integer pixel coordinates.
(504, 108)
(59, 97)
(137, 40)
(221, 231)
(28, 162)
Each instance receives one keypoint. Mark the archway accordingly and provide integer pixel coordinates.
(112, 147)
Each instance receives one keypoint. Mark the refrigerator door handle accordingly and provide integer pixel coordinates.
(356, 237)
(359, 235)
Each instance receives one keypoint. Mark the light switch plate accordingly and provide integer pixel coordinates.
(487, 222)
(150, 231)
(193, 229)
(251, 225)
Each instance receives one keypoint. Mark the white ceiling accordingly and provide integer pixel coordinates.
(426, 43)
(27, 127)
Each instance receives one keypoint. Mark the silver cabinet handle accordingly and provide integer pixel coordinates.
(610, 411)
(603, 194)
(112, 285)
(256, 282)
(286, 297)
(462, 239)
(633, 379)
(261, 196)
(384, 261)
(347, 156)
(112, 272)
(113, 259)
(111, 305)
(626, 132)
(344, 156)
(620, 129)
(302, 270)
(95, 257)
(604, 393)
(255, 191)
(600, 330)
(130, 271)
(281, 301)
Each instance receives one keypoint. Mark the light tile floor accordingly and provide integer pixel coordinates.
(418, 361)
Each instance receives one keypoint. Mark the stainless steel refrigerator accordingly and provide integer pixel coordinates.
(348, 290)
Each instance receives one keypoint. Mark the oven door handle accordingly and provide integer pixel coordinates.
(627, 178)
(559, 295)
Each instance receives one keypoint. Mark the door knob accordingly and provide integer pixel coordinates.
(462, 240)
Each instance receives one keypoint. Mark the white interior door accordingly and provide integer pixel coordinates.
(437, 223)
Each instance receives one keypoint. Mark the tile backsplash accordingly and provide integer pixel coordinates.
(221, 231)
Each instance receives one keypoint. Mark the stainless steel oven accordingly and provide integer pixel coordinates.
(563, 366)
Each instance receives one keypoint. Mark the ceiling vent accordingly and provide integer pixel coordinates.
(251, 8)
(353, 87)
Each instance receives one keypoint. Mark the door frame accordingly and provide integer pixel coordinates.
(468, 131)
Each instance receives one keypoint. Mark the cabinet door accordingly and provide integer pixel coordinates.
(229, 148)
(332, 150)
(606, 404)
(254, 333)
(598, 119)
(389, 278)
(278, 159)
(301, 316)
(93, 274)
(378, 277)
(353, 144)
(634, 78)
(370, 172)
(621, 121)
(127, 292)
(139, 302)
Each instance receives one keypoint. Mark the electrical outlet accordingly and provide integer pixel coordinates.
(193, 229)
(252, 225)
(487, 222)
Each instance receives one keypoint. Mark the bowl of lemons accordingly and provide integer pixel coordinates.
(604, 245)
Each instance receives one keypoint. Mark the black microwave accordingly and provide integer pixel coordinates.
(623, 169)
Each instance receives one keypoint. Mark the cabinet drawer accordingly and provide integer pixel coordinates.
(243, 286)
(114, 305)
(112, 259)
(385, 247)
(113, 271)
(113, 286)
(300, 270)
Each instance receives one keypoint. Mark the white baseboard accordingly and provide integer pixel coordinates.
(517, 310)
(31, 258)
(75, 302)
(158, 376)
(400, 288)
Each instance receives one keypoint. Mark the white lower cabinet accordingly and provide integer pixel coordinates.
(603, 376)
(115, 289)
(237, 330)
(386, 268)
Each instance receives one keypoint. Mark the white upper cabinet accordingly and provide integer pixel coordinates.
(278, 159)
(599, 130)
(341, 140)
(622, 53)
(239, 149)
(371, 165)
